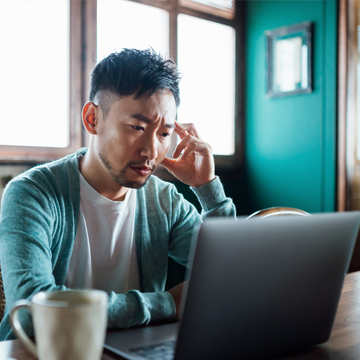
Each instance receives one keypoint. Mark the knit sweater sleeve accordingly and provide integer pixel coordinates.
(213, 200)
(214, 203)
(27, 252)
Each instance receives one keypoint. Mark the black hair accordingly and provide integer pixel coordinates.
(133, 72)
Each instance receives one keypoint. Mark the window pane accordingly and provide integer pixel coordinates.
(34, 72)
(125, 24)
(206, 57)
(223, 4)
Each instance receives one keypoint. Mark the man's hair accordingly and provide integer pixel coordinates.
(132, 72)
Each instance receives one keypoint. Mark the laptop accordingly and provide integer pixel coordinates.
(257, 288)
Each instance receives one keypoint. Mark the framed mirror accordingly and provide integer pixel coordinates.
(289, 67)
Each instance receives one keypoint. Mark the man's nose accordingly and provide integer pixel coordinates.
(149, 148)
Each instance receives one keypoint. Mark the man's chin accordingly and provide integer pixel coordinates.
(133, 184)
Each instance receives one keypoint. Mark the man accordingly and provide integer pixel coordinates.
(97, 218)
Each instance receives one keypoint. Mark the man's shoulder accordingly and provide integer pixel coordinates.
(59, 167)
(55, 173)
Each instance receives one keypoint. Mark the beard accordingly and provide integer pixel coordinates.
(120, 177)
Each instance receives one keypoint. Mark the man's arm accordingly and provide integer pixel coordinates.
(35, 248)
(193, 164)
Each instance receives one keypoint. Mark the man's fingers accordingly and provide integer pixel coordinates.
(198, 148)
(168, 164)
(181, 146)
(190, 145)
(180, 131)
(190, 129)
(189, 150)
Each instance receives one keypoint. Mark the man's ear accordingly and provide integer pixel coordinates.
(90, 117)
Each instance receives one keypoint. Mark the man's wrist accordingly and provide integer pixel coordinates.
(210, 194)
(204, 183)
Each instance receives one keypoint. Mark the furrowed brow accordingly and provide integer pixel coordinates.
(142, 118)
(146, 120)
(170, 126)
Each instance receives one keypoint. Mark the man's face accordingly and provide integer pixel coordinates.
(134, 137)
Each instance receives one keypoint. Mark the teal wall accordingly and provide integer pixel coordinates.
(290, 149)
(290, 143)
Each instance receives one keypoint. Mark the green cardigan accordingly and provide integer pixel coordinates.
(38, 224)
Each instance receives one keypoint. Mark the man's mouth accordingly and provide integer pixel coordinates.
(142, 170)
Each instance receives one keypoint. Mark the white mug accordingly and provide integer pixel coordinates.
(68, 325)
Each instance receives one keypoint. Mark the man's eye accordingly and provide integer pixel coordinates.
(137, 128)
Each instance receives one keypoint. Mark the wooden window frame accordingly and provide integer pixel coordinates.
(348, 59)
(343, 196)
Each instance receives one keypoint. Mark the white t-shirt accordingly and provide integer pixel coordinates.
(104, 254)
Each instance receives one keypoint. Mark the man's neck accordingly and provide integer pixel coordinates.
(101, 182)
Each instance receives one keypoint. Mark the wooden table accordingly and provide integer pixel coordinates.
(343, 344)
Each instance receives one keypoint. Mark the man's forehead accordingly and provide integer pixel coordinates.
(162, 95)
(169, 123)
(150, 108)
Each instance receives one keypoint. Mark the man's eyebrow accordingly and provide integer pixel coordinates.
(145, 119)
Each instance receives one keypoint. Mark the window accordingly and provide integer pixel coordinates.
(126, 24)
(37, 120)
(51, 61)
(208, 84)
(36, 67)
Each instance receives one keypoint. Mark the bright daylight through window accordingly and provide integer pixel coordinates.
(125, 24)
(208, 84)
(34, 73)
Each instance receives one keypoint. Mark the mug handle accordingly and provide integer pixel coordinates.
(19, 331)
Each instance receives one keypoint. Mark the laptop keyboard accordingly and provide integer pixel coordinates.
(163, 351)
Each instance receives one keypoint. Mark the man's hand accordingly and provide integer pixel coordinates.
(196, 166)
(176, 293)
